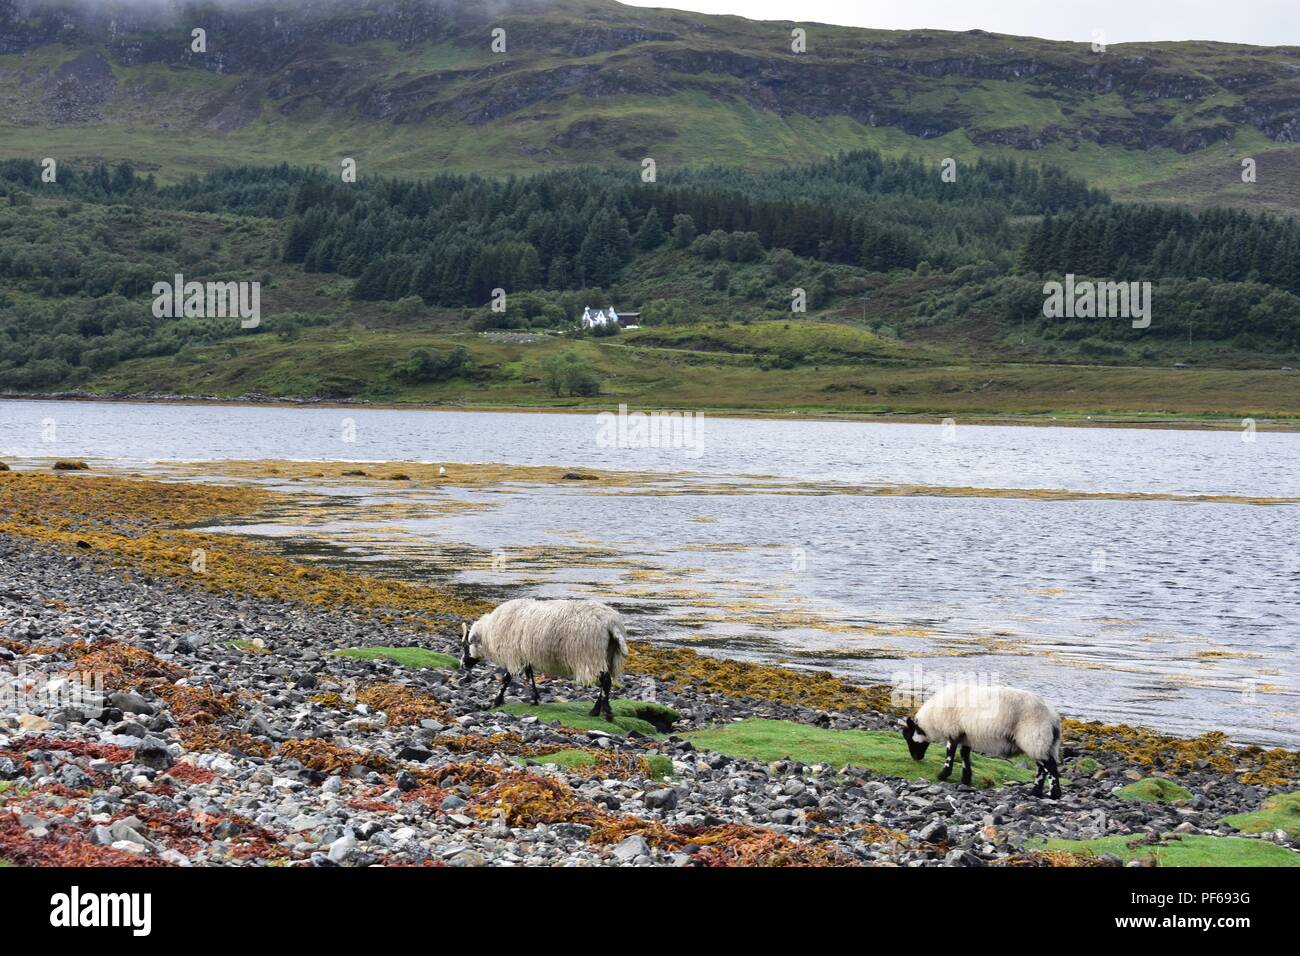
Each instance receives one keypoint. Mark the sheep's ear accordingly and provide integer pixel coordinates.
(464, 629)
(901, 723)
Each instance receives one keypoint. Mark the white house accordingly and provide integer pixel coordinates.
(591, 318)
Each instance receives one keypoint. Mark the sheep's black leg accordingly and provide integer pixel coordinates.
(602, 698)
(501, 694)
(608, 683)
(965, 766)
(946, 772)
(1038, 780)
(1054, 772)
(533, 683)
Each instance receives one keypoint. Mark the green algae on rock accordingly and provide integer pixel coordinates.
(1154, 790)
(641, 716)
(406, 656)
(882, 752)
(1183, 850)
(1278, 812)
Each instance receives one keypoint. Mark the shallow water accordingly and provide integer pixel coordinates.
(1175, 614)
(1088, 459)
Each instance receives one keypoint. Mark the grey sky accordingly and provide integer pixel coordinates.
(1270, 22)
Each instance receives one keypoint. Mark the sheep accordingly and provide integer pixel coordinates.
(581, 640)
(996, 721)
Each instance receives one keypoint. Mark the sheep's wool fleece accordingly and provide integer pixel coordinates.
(574, 639)
(997, 721)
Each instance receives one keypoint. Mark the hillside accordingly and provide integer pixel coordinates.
(921, 300)
(358, 364)
(780, 260)
(411, 88)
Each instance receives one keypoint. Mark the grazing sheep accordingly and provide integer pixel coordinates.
(996, 721)
(581, 640)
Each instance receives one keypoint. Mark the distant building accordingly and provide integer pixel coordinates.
(593, 318)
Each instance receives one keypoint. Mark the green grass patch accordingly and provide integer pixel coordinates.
(1155, 790)
(817, 341)
(9, 788)
(565, 759)
(661, 767)
(1190, 850)
(642, 716)
(883, 752)
(701, 367)
(406, 656)
(249, 647)
(1279, 812)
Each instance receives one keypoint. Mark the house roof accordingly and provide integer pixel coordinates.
(591, 315)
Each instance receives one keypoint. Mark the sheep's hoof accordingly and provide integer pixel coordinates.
(945, 773)
(966, 781)
(1056, 793)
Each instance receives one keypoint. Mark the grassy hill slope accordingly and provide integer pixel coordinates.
(413, 88)
(865, 350)
(357, 362)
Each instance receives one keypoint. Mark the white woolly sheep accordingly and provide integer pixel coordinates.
(995, 721)
(581, 640)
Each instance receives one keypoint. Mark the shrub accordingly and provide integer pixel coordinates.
(683, 230)
(783, 264)
(569, 373)
(428, 365)
(408, 306)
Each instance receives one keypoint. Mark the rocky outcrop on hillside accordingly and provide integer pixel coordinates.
(79, 86)
(366, 60)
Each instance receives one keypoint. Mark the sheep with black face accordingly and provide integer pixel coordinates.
(582, 640)
(994, 721)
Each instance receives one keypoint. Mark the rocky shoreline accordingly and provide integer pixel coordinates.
(232, 734)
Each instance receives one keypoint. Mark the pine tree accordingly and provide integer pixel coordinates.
(683, 230)
(651, 234)
(560, 274)
(528, 269)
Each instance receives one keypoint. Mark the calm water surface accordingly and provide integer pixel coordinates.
(1180, 615)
